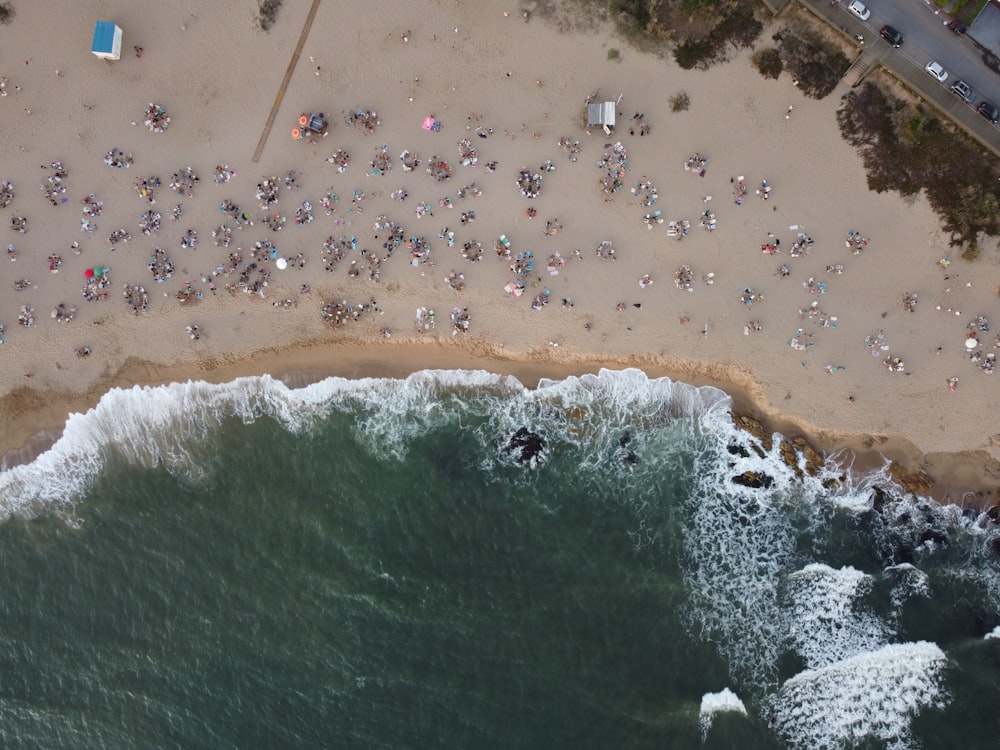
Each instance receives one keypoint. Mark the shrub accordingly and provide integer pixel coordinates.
(268, 13)
(614, 54)
(906, 149)
(695, 53)
(816, 64)
(680, 102)
(768, 62)
(6, 13)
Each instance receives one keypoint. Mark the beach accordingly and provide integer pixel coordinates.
(451, 421)
(827, 346)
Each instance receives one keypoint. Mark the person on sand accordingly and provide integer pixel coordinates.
(138, 51)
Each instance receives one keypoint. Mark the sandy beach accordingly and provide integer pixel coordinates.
(831, 327)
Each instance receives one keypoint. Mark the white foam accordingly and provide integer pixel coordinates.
(914, 523)
(738, 542)
(856, 495)
(164, 426)
(828, 620)
(908, 582)
(715, 703)
(871, 695)
(145, 426)
(995, 633)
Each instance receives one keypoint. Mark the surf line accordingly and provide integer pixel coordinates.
(284, 83)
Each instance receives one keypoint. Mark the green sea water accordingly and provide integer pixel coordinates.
(364, 564)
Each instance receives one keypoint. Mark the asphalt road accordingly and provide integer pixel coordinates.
(926, 37)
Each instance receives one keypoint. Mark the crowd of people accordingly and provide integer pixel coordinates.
(254, 276)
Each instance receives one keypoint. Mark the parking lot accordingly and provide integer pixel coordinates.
(922, 29)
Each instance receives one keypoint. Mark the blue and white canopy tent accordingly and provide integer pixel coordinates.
(107, 41)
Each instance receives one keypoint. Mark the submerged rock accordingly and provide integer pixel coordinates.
(525, 447)
(754, 480)
(627, 454)
(790, 447)
(738, 450)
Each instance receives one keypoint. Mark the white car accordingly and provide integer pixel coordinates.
(859, 9)
(934, 70)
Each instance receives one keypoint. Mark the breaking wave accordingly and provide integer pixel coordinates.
(828, 618)
(715, 703)
(871, 695)
(166, 426)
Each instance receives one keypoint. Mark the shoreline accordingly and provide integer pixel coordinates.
(33, 421)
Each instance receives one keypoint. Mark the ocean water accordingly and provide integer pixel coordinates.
(371, 564)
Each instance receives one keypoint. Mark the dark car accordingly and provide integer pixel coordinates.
(891, 35)
(957, 26)
(989, 111)
(963, 91)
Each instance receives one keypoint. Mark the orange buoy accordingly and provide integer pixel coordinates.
(303, 120)
(296, 133)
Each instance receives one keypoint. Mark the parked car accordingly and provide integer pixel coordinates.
(892, 36)
(957, 26)
(963, 91)
(935, 71)
(859, 9)
(989, 111)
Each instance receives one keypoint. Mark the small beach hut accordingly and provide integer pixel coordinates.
(107, 41)
(601, 114)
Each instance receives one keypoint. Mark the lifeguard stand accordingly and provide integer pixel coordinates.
(107, 41)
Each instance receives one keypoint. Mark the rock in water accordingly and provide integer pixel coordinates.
(525, 447)
(754, 480)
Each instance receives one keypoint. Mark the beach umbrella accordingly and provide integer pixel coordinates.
(89, 273)
(281, 263)
(98, 271)
(971, 343)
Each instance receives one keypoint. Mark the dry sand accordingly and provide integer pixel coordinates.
(217, 74)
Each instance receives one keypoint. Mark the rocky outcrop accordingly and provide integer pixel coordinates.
(916, 480)
(790, 447)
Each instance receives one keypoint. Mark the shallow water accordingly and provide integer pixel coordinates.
(361, 564)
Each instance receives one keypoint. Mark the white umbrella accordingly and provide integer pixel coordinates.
(281, 263)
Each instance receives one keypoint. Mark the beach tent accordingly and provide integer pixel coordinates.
(601, 114)
(107, 41)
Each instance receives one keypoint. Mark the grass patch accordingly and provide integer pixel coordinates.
(907, 149)
(976, 10)
(971, 253)
(615, 55)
